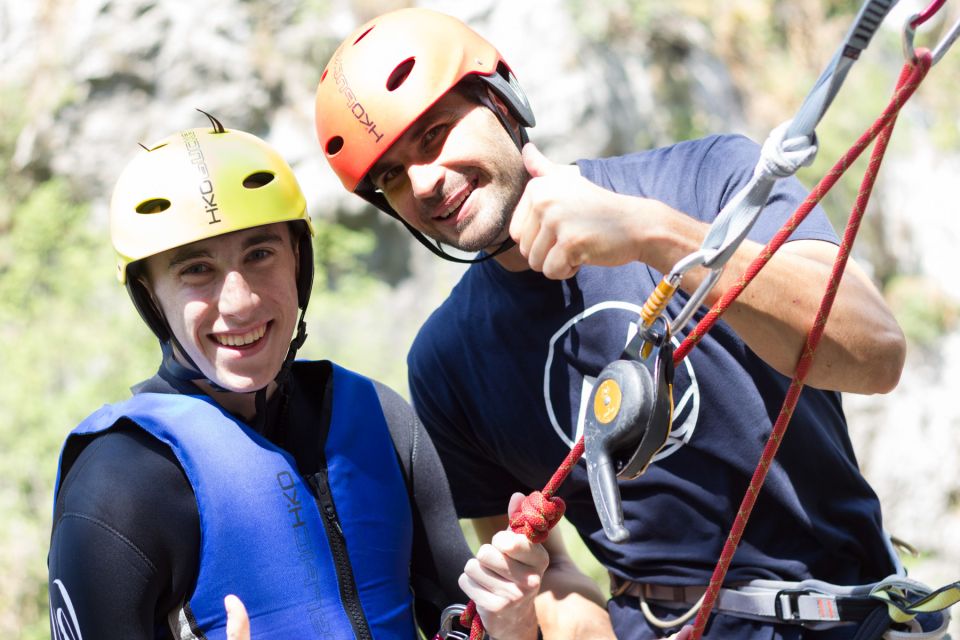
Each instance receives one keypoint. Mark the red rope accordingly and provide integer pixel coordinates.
(910, 78)
(541, 510)
(905, 89)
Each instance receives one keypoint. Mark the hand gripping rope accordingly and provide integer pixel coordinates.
(789, 147)
(538, 514)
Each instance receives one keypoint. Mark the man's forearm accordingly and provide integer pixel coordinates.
(570, 605)
(863, 348)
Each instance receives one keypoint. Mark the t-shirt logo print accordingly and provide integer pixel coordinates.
(577, 353)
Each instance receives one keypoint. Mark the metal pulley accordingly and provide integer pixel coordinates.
(628, 420)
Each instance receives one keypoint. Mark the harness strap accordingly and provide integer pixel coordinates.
(813, 604)
(812, 609)
(900, 609)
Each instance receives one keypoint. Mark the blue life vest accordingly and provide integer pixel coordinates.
(263, 536)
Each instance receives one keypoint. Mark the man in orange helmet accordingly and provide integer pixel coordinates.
(422, 117)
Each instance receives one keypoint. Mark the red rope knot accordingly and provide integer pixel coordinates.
(470, 620)
(537, 515)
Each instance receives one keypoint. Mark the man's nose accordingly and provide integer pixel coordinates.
(236, 296)
(425, 180)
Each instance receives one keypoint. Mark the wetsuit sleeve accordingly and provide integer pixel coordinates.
(125, 540)
(439, 548)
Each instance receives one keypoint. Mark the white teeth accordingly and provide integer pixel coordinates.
(244, 339)
(454, 206)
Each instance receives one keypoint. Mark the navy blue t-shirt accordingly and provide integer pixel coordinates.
(501, 372)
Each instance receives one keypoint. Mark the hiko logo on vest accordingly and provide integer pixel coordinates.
(307, 557)
(206, 186)
(352, 103)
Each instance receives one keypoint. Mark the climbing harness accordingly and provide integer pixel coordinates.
(790, 146)
(815, 604)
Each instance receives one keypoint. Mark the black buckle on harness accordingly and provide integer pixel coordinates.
(792, 597)
(827, 607)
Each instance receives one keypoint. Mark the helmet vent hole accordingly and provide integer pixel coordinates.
(400, 74)
(334, 145)
(154, 205)
(258, 179)
(362, 35)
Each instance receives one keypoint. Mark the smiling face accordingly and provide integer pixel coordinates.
(231, 302)
(455, 175)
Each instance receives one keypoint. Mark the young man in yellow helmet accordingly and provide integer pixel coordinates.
(308, 491)
(422, 117)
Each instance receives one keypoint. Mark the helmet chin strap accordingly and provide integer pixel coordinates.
(186, 372)
(518, 135)
(190, 371)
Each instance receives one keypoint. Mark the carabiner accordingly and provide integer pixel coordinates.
(919, 18)
(910, 31)
(642, 344)
(450, 627)
(946, 42)
(697, 259)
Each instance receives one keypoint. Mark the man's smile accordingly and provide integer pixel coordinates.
(452, 203)
(240, 339)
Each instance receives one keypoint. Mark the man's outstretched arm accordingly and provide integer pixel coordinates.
(564, 221)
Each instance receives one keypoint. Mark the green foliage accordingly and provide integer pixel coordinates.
(339, 255)
(70, 341)
(923, 310)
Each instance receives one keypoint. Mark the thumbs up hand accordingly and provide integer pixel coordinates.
(563, 221)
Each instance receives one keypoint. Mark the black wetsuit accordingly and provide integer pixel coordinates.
(126, 530)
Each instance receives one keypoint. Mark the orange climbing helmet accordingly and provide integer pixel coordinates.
(391, 70)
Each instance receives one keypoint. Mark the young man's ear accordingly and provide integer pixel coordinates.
(503, 109)
(144, 282)
(296, 234)
(296, 260)
(137, 272)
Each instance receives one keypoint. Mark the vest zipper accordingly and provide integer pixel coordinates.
(341, 561)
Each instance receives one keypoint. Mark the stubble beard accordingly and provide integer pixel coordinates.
(487, 229)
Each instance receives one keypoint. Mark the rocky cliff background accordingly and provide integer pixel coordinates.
(83, 81)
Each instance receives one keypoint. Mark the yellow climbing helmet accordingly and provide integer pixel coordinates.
(197, 184)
